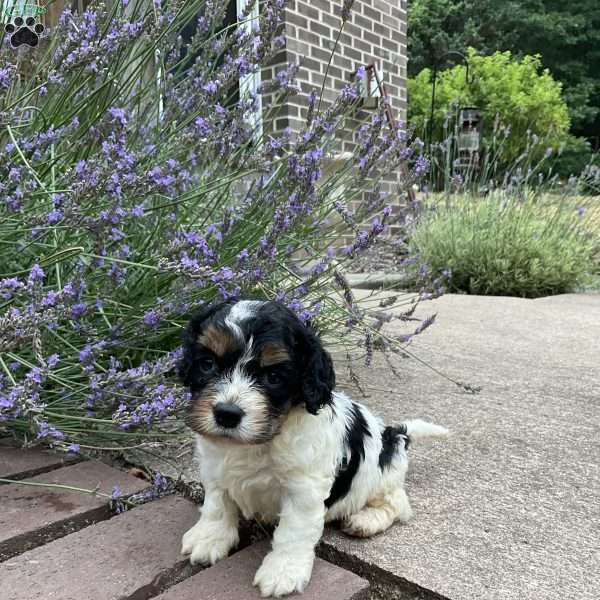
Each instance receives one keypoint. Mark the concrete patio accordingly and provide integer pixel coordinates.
(508, 506)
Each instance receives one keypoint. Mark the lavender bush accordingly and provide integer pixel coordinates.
(518, 229)
(505, 246)
(134, 189)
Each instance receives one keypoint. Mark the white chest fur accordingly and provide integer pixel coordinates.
(255, 477)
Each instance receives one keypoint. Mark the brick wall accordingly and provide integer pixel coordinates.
(375, 33)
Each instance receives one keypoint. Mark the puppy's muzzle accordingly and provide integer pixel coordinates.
(227, 415)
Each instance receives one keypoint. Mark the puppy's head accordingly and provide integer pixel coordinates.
(247, 364)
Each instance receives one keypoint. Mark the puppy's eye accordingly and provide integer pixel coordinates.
(273, 378)
(206, 364)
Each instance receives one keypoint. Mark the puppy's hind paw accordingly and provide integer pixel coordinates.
(209, 543)
(282, 574)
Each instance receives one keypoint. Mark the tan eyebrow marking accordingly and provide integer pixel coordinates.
(219, 341)
(272, 354)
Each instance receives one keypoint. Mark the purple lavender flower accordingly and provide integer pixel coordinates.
(421, 166)
(86, 356)
(36, 274)
(45, 431)
(5, 78)
(286, 79)
(9, 286)
(54, 216)
(349, 93)
(35, 375)
(210, 87)
(224, 274)
(50, 299)
(138, 211)
(346, 8)
(78, 310)
(151, 319)
(53, 360)
(6, 402)
(160, 482)
(202, 126)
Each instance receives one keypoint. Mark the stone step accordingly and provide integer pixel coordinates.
(34, 515)
(133, 556)
(20, 463)
(380, 281)
(232, 578)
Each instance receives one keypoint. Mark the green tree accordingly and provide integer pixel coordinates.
(439, 26)
(518, 93)
(565, 34)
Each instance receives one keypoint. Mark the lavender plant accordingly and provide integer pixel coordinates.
(518, 229)
(505, 246)
(135, 187)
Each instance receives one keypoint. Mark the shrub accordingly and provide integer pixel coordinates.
(515, 92)
(504, 246)
(573, 158)
(133, 190)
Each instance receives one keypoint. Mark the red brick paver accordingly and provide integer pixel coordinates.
(33, 515)
(133, 553)
(132, 556)
(17, 463)
(232, 579)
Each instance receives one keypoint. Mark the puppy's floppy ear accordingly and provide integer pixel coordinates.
(318, 376)
(190, 338)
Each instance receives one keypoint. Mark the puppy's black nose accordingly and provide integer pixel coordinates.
(228, 415)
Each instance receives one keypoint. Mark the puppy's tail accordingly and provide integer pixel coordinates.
(417, 429)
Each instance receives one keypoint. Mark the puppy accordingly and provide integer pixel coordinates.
(275, 442)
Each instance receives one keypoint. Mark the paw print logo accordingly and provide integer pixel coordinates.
(24, 31)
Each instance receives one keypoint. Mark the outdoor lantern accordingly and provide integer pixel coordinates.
(371, 87)
(468, 139)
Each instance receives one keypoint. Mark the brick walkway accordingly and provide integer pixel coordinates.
(60, 544)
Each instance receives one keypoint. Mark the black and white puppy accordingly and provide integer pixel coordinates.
(274, 441)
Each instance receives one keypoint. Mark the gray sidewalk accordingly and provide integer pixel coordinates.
(508, 507)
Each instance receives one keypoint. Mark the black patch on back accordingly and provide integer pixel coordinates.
(354, 442)
(390, 438)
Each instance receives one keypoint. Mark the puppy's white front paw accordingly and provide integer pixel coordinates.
(208, 542)
(282, 574)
